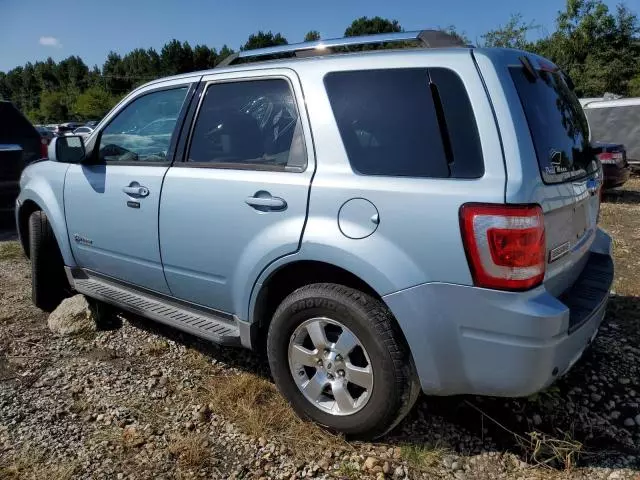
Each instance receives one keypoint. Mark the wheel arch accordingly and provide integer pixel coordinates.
(290, 276)
(30, 202)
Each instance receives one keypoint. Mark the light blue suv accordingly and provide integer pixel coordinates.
(380, 222)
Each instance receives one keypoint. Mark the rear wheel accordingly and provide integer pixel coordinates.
(49, 284)
(336, 354)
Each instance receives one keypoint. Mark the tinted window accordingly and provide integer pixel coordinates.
(387, 122)
(460, 124)
(133, 134)
(557, 123)
(250, 123)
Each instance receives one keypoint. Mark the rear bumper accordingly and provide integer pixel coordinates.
(468, 340)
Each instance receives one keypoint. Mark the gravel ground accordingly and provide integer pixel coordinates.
(144, 401)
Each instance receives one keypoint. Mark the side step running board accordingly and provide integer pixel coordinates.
(201, 324)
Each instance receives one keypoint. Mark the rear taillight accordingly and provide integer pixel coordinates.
(44, 148)
(608, 158)
(505, 245)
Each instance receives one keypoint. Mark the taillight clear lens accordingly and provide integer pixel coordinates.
(505, 245)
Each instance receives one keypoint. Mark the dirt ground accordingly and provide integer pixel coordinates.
(145, 401)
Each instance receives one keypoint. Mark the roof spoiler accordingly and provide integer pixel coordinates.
(426, 38)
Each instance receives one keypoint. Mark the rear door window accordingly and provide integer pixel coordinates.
(558, 126)
(413, 122)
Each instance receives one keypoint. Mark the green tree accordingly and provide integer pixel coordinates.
(114, 75)
(176, 57)
(512, 34)
(599, 49)
(263, 40)
(204, 57)
(94, 103)
(312, 36)
(224, 52)
(53, 106)
(369, 26)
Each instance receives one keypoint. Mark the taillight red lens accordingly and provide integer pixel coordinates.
(44, 148)
(505, 245)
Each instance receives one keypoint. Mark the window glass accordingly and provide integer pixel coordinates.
(387, 121)
(460, 122)
(142, 130)
(558, 126)
(250, 123)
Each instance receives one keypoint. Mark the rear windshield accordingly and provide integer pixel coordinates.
(558, 125)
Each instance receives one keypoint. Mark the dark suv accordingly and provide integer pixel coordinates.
(20, 144)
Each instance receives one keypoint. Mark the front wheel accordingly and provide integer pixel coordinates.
(49, 285)
(337, 355)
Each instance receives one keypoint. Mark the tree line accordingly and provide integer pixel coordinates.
(597, 47)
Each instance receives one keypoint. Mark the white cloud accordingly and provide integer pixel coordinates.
(50, 42)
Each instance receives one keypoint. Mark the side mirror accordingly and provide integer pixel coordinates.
(67, 149)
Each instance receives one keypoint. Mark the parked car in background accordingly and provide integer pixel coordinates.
(92, 123)
(67, 128)
(20, 145)
(45, 133)
(437, 232)
(613, 157)
(83, 131)
(616, 122)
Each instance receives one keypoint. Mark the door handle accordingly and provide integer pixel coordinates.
(136, 190)
(264, 202)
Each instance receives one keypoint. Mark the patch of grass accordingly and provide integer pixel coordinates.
(195, 360)
(349, 470)
(422, 456)
(548, 451)
(30, 464)
(190, 450)
(10, 251)
(256, 407)
(156, 348)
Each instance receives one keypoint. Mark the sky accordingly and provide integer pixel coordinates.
(32, 30)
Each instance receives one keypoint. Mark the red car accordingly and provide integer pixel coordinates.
(615, 167)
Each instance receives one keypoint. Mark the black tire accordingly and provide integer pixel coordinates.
(395, 386)
(49, 285)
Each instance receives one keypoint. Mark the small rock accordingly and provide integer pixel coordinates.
(596, 397)
(100, 417)
(615, 415)
(455, 466)
(262, 441)
(386, 468)
(155, 373)
(637, 419)
(624, 381)
(190, 426)
(397, 453)
(398, 472)
(629, 422)
(380, 476)
(72, 317)
(537, 419)
(370, 462)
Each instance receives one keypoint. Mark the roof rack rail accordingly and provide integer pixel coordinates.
(427, 38)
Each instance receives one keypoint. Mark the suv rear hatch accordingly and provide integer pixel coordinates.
(569, 170)
(15, 129)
